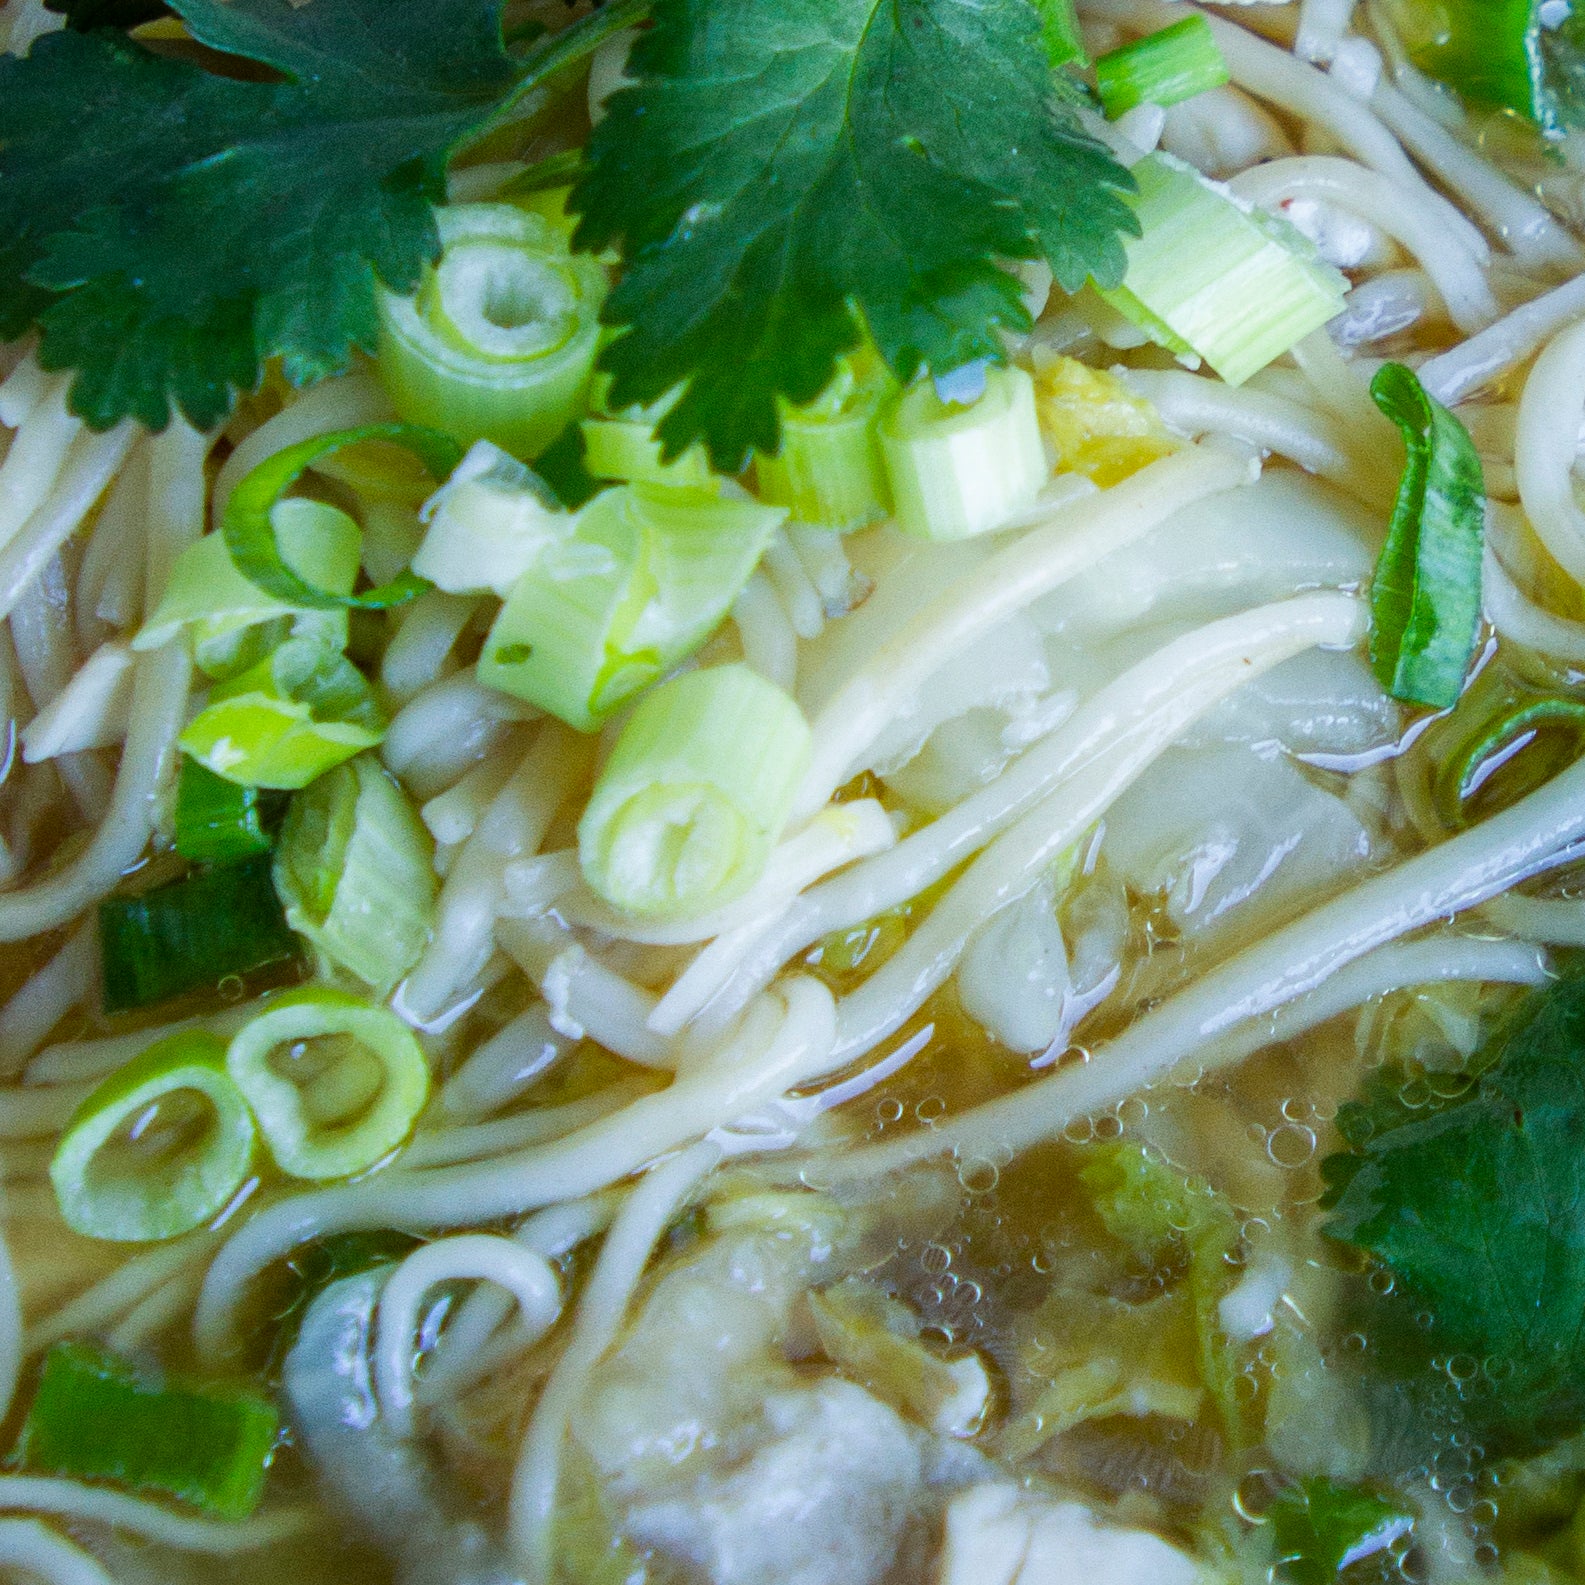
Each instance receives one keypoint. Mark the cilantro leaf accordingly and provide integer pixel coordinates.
(1478, 1211)
(781, 163)
(188, 225)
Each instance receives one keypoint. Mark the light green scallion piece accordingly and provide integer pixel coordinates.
(355, 870)
(646, 577)
(286, 720)
(694, 794)
(830, 471)
(1209, 279)
(961, 469)
(499, 341)
(160, 1148)
(334, 1082)
(229, 620)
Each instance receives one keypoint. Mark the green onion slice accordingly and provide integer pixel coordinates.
(1164, 68)
(249, 524)
(694, 794)
(1470, 775)
(191, 934)
(1209, 279)
(286, 720)
(958, 469)
(355, 869)
(646, 576)
(499, 341)
(334, 1082)
(231, 622)
(829, 470)
(160, 1148)
(1425, 597)
(97, 1416)
(218, 820)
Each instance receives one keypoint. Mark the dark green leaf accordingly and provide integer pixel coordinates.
(193, 224)
(84, 15)
(1425, 597)
(1318, 1527)
(781, 163)
(1478, 1212)
(192, 933)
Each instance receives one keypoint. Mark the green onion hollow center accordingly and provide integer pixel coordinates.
(159, 1148)
(499, 301)
(669, 845)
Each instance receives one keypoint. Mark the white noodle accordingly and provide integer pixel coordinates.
(501, 1068)
(1546, 442)
(601, 1307)
(1524, 840)
(1141, 702)
(37, 454)
(769, 644)
(110, 581)
(1554, 921)
(1322, 24)
(31, 1114)
(443, 731)
(798, 595)
(41, 1553)
(1526, 226)
(784, 1040)
(158, 1312)
(24, 386)
(1318, 442)
(514, 825)
(51, 992)
(483, 1257)
(81, 1504)
(159, 705)
(1518, 618)
(588, 999)
(454, 815)
(836, 836)
(1418, 226)
(1463, 370)
(90, 466)
(10, 1328)
(90, 712)
(1076, 537)
(473, 1141)
(422, 644)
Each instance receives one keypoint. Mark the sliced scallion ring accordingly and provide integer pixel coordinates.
(159, 1148)
(334, 1082)
(1489, 751)
(249, 529)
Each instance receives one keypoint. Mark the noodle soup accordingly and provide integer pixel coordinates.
(743, 845)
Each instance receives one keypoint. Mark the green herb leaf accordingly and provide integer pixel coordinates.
(1425, 597)
(1478, 1212)
(780, 165)
(1318, 1528)
(190, 225)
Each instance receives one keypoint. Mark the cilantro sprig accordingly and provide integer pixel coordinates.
(1476, 1206)
(781, 163)
(782, 176)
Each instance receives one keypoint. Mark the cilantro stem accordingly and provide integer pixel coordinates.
(567, 48)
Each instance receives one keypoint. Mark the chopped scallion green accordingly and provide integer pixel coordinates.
(97, 1416)
(249, 524)
(355, 869)
(694, 794)
(216, 819)
(499, 341)
(488, 524)
(829, 470)
(334, 1082)
(648, 574)
(286, 720)
(1162, 68)
(191, 934)
(161, 1147)
(960, 470)
(230, 621)
(1212, 280)
(1425, 597)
